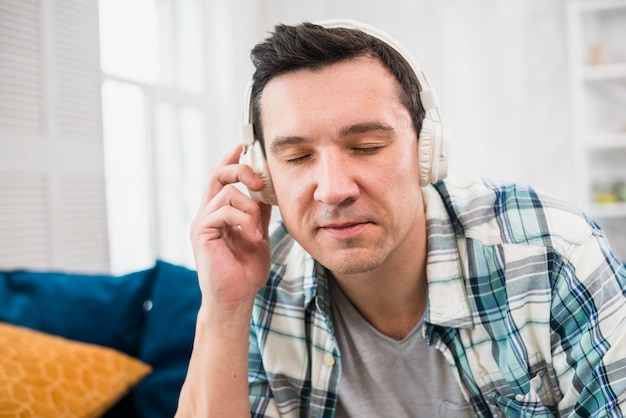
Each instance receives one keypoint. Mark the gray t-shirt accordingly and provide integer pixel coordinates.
(383, 377)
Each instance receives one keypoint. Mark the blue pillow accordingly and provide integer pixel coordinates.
(168, 339)
(98, 309)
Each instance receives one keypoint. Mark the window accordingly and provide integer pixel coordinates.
(51, 154)
(154, 118)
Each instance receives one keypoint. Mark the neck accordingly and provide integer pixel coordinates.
(392, 297)
(393, 310)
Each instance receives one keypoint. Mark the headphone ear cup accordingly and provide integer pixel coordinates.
(254, 157)
(432, 152)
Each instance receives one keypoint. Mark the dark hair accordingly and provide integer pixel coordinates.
(313, 47)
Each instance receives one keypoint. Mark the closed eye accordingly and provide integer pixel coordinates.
(368, 149)
(296, 158)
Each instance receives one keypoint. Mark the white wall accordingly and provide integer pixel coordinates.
(499, 69)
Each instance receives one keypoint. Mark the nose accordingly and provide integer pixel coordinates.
(334, 177)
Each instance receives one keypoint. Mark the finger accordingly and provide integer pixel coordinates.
(230, 219)
(230, 174)
(226, 219)
(246, 216)
(233, 156)
(230, 195)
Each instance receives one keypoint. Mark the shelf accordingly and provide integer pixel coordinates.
(608, 210)
(601, 5)
(596, 33)
(607, 141)
(600, 72)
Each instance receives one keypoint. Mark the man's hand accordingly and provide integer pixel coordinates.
(232, 252)
(229, 236)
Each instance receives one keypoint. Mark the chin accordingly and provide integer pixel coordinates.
(352, 262)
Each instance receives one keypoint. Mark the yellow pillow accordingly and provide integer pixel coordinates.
(42, 375)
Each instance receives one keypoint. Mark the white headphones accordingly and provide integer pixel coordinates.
(433, 137)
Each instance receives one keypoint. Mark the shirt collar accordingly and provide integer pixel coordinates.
(448, 304)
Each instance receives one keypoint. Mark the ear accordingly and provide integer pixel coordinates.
(432, 152)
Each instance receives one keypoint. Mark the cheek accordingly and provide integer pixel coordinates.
(403, 170)
(399, 185)
(295, 212)
(291, 193)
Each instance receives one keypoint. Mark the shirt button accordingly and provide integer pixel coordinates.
(519, 397)
(329, 360)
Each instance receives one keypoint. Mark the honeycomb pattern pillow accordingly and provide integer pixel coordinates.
(42, 375)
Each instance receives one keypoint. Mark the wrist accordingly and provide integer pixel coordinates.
(226, 316)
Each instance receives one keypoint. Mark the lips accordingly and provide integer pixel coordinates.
(343, 230)
(341, 225)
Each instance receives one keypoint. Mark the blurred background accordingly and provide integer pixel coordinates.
(112, 113)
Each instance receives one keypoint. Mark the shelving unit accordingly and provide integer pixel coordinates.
(597, 43)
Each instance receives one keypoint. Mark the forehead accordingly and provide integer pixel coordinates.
(359, 88)
(357, 70)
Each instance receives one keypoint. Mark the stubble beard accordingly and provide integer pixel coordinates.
(350, 260)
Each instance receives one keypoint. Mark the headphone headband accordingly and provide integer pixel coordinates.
(427, 94)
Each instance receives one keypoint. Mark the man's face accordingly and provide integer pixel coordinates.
(342, 153)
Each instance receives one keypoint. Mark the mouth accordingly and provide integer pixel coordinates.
(344, 230)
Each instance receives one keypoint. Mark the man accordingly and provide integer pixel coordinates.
(386, 298)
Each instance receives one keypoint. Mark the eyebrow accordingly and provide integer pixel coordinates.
(369, 127)
(356, 129)
(283, 141)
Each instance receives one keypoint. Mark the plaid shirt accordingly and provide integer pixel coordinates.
(525, 300)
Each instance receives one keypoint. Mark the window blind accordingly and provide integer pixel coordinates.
(52, 194)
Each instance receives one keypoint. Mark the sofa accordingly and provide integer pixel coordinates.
(96, 345)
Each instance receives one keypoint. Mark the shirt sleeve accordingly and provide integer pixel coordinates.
(261, 401)
(589, 329)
